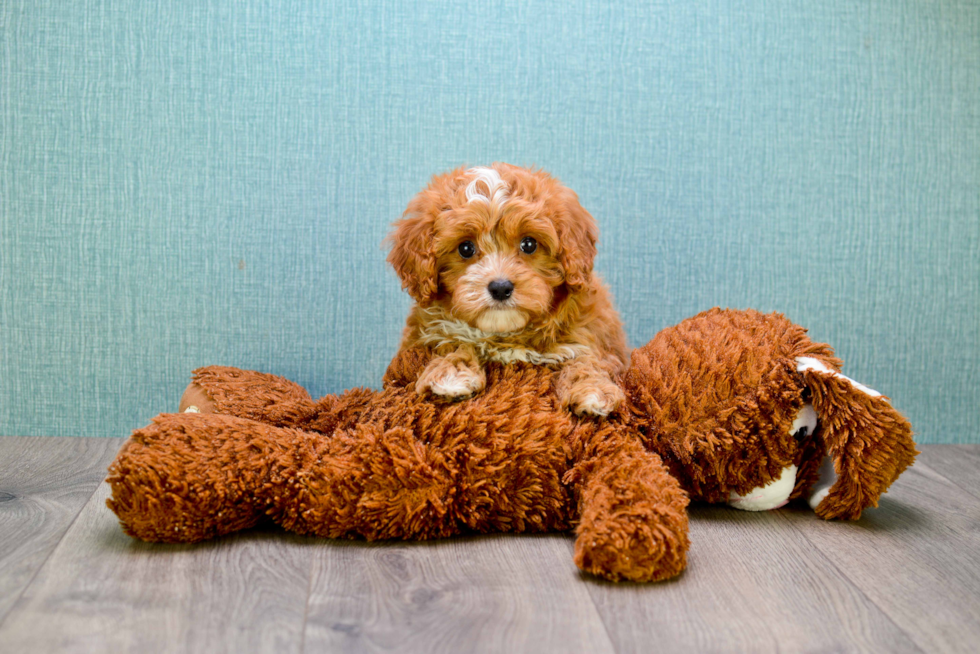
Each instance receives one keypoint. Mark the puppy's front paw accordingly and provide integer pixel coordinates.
(451, 381)
(595, 399)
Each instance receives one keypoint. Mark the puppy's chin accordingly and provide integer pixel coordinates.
(499, 321)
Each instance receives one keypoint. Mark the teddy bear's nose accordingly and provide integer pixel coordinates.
(500, 289)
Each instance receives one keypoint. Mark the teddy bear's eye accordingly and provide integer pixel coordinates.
(528, 245)
(467, 249)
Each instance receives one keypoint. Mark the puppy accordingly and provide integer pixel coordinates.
(499, 263)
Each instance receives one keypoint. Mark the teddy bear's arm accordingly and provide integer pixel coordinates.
(632, 512)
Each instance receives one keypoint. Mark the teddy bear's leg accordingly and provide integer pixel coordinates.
(186, 477)
(633, 513)
(189, 477)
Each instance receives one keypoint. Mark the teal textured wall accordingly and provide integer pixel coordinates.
(192, 183)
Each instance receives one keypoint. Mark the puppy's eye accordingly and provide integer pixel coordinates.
(528, 245)
(467, 249)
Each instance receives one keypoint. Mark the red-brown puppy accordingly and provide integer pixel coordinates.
(499, 262)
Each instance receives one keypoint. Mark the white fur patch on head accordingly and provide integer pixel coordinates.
(771, 496)
(809, 363)
(486, 187)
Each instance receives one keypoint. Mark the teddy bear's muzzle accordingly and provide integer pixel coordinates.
(771, 496)
(776, 493)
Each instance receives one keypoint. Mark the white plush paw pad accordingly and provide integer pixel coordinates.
(458, 384)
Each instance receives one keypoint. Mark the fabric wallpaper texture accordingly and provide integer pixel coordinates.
(184, 184)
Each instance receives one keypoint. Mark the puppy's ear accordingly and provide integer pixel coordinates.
(577, 237)
(413, 247)
(867, 441)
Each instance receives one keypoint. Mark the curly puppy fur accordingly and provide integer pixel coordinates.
(499, 262)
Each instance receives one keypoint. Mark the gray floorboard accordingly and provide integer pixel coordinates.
(753, 584)
(102, 591)
(500, 593)
(958, 463)
(904, 578)
(44, 483)
(915, 557)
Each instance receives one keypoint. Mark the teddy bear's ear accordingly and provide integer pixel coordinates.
(867, 441)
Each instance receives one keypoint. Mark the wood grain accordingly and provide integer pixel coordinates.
(753, 584)
(915, 557)
(102, 591)
(960, 464)
(501, 593)
(44, 483)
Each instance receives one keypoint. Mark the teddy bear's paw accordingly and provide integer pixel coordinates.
(451, 381)
(195, 400)
(598, 399)
(634, 553)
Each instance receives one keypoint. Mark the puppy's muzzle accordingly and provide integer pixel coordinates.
(501, 289)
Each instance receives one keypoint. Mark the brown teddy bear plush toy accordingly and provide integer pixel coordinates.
(728, 406)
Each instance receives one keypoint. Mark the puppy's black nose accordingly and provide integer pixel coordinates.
(501, 289)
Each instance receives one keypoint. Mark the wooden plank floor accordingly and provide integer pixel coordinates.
(905, 578)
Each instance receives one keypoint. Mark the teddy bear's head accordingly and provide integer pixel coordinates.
(747, 410)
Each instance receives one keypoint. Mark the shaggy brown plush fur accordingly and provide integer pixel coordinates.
(389, 464)
(713, 396)
(716, 395)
